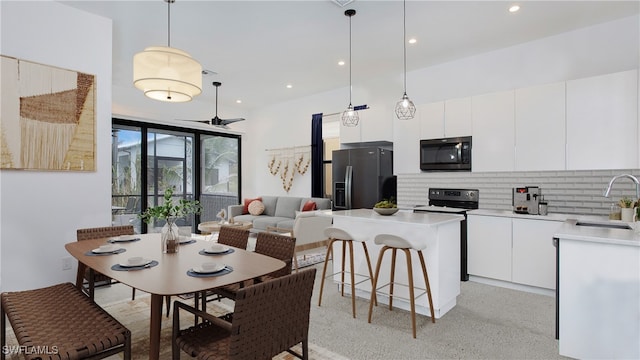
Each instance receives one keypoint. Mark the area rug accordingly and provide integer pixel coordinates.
(135, 316)
(310, 259)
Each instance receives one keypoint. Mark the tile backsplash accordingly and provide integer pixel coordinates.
(569, 192)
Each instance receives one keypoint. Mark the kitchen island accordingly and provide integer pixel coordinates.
(440, 232)
(598, 298)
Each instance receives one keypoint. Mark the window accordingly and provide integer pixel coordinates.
(197, 164)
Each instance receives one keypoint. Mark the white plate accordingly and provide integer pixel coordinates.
(184, 239)
(200, 270)
(123, 238)
(105, 251)
(211, 251)
(141, 263)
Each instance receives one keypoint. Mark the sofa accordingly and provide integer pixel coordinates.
(278, 211)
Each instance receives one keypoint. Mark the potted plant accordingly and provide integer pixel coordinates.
(626, 207)
(170, 212)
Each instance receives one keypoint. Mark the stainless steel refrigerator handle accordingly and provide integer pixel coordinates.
(348, 175)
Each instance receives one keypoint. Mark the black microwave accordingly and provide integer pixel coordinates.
(448, 154)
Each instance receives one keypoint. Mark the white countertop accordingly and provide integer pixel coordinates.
(551, 216)
(570, 231)
(403, 216)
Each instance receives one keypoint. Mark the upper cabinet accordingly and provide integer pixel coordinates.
(493, 132)
(602, 122)
(457, 117)
(375, 125)
(450, 118)
(540, 127)
(431, 120)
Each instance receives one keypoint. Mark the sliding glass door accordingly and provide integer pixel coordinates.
(148, 159)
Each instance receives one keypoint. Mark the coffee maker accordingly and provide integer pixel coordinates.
(525, 200)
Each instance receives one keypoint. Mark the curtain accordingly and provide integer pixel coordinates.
(317, 169)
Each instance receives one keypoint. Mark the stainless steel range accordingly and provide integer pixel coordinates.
(454, 201)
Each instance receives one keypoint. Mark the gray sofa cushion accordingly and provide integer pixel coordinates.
(244, 218)
(286, 224)
(261, 222)
(270, 203)
(287, 206)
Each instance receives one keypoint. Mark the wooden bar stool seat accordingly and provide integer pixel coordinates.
(395, 243)
(336, 234)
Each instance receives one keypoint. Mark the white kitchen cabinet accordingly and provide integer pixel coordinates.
(540, 127)
(534, 257)
(489, 246)
(457, 117)
(374, 125)
(602, 122)
(450, 118)
(493, 132)
(431, 120)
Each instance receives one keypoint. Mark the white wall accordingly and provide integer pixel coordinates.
(40, 211)
(604, 48)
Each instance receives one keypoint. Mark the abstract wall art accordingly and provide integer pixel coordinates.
(47, 117)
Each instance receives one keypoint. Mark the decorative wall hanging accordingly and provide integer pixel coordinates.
(47, 117)
(288, 162)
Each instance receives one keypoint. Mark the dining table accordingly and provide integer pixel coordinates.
(168, 274)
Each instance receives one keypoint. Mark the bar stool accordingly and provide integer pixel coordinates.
(395, 243)
(336, 234)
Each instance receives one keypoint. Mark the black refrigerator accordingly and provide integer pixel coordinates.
(362, 177)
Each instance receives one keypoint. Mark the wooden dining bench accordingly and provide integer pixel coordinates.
(60, 322)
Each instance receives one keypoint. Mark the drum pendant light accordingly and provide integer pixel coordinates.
(165, 73)
(405, 110)
(350, 116)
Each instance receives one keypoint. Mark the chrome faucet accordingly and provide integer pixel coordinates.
(633, 178)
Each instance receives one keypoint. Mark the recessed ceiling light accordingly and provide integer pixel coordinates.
(341, 62)
(289, 86)
(514, 8)
(238, 101)
(413, 41)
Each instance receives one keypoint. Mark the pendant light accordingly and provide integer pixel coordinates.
(350, 116)
(405, 110)
(165, 73)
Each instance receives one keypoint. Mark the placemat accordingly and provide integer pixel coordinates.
(226, 270)
(123, 241)
(202, 252)
(118, 267)
(91, 253)
(188, 242)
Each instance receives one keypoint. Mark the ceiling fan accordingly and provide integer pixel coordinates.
(216, 121)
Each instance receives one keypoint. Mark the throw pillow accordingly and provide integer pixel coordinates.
(256, 207)
(309, 206)
(247, 202)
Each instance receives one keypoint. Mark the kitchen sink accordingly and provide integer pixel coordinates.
(604, 225)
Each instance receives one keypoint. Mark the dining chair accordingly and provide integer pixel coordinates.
(233, 236)
(85, 273)
(277, 246)
(268, 318)
(228, 235)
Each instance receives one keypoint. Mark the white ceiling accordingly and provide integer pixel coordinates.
(257, 47)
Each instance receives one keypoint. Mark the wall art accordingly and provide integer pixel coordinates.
(47, 117)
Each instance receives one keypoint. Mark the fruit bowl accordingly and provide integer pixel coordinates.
(385, 211)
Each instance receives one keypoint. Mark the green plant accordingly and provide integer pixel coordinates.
(626, 203)
(386, 203)
(168, 210)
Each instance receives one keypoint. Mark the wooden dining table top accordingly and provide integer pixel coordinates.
(170, 277)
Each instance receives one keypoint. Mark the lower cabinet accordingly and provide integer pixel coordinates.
(534, 257)
(512, 249)
(489, 246)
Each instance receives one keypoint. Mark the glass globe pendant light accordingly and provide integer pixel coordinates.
(405, 110)
(165, 73)
(350, 116)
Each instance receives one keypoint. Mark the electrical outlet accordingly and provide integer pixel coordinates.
(66, 263)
